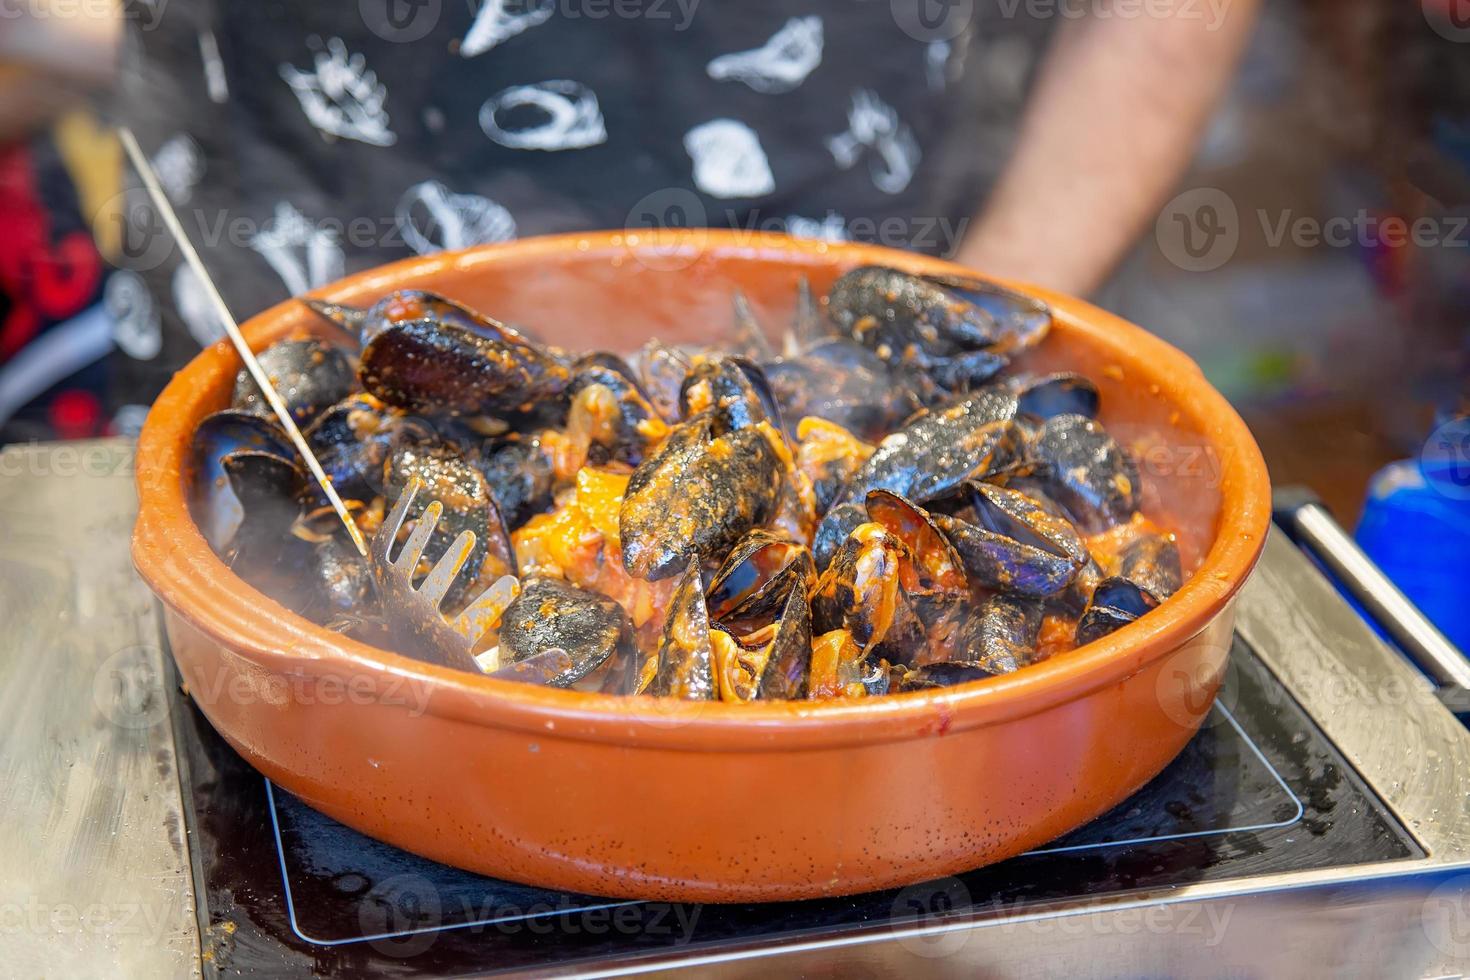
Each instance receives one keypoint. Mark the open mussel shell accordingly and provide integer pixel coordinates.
(1116, 602)
(734, 388)
(661, 374)
(216, 508)
(436, 367)
(1051, 395)
(1032, 553)
(843, 382)
(769, 663)
(789, 653)
(309, 375)
(1027, 520)
(683, 666)
(859, 591)
(933, 560)
(937, 451)
(1087, 472)
(266, 484)
(353, 440)
(836, 525)
(263, 551)
(468, 506)
(587, 627)
(752, 582)
(611, 411)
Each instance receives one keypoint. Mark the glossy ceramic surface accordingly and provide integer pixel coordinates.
(656, 798)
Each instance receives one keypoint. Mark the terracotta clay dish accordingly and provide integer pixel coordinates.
(662, 798)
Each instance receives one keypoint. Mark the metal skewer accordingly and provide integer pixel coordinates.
(166, 212)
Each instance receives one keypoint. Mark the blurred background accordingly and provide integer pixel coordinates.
(1287, 259)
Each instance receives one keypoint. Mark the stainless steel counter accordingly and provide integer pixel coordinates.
(94, 869)
(95, 874)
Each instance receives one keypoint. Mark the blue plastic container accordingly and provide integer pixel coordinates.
(1416, 526)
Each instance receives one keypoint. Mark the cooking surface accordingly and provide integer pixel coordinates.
(96, 706)
(1258, 791)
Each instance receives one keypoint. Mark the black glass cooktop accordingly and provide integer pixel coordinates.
(282, 888)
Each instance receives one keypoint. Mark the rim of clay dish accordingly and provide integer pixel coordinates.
(173, 557)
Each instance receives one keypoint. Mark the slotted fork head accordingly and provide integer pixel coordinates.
(419, 628)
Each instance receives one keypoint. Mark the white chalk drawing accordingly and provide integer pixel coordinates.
(728, 159)
(572, 121)
(779, 65)
(135, 325)
(179, 164)
(302, 254)
(431, 218)
(195, 308)
(830, 228)
(936, 64)
(873, 126)
(501, 20)
(214, 68)
(341, 96)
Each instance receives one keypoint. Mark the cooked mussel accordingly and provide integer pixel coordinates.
(436, 367)
(308, 374)
(550, 614)
(1012, 543)
(698, 495)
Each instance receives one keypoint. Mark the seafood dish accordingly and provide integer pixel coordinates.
(879, 503)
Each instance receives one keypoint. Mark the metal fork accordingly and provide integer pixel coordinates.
(419, 628)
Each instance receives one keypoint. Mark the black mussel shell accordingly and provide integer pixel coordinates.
(309, 375)
(550, 613)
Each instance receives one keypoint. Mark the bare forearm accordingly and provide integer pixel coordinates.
(1113, 121)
